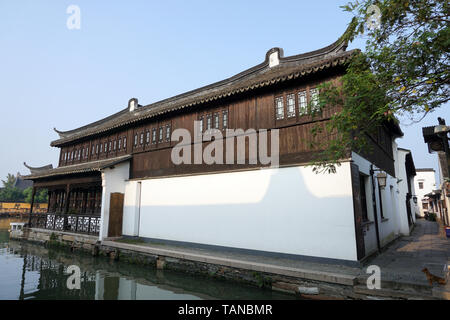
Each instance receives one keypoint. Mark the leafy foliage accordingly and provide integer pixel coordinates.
(404, 71)
(10, 181)
(41, 195)
(10, 193)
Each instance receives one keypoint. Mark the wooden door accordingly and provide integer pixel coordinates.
(115, 215)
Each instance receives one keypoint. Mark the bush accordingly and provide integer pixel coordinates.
(432, 216)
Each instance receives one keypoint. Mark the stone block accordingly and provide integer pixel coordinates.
(160, 263)
(285, 287)
(68, 238)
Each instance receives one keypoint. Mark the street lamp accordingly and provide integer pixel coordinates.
(381, 177)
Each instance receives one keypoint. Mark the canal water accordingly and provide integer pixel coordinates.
(31, 271)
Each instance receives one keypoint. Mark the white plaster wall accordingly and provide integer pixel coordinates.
(402, 191)
(388, 227)
(288, 210)
(429, 184)
(130, 224)
(113, 180)
(414, 207)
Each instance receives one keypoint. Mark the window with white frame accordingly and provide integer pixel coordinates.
(279, 107)
(225, 119)
(119, 146)
(216, 121)
(200, 124)
(208, 122)
(124, 142)
(154, 135)
(290, 100)
(135, 139)
(161, 134)
(302, 103)
(147, 137)
(168, 132)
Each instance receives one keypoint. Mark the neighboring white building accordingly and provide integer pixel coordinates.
(424, 183)
(406, 172)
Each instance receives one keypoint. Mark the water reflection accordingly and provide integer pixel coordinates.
(31, 271)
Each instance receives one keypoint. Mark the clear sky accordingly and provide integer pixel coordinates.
(51, 76)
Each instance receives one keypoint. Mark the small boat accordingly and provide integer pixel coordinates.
(16, 229)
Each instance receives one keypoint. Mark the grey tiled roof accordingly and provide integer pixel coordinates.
(77, 168)
(260, 76)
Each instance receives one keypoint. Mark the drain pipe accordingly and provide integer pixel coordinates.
(375, 212)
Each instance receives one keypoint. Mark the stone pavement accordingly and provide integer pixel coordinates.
(405, 258)
(400, 263)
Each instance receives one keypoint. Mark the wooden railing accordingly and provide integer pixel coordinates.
(88, 224)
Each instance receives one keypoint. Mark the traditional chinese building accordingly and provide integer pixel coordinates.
(115, 177)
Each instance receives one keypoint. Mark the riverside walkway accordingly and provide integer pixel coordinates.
(400, 263)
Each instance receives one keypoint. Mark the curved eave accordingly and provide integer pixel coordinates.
(77, 168)
(34, 170)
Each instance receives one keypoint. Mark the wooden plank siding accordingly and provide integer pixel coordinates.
(257, 111)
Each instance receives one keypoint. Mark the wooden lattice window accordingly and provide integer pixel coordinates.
(302, 103)
(279, 108)
(290, 100)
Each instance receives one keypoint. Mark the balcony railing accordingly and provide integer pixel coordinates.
(88, 224)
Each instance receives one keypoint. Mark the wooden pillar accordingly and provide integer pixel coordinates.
(66, 205)
(85, 199)
(32, 203)
(49, 200)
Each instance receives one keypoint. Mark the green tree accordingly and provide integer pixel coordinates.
(11, 194)
(8, 192)
(41, 195)
(10, 181)
(404, 71)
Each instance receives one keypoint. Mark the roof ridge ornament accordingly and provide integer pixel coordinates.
(132, 104)
(273, 56)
